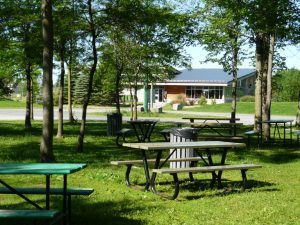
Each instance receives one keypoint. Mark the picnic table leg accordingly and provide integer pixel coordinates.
(48, 192)
(136, 132)
(19, 194)
(210, 163)
(67, 216)
(244, 179)
(224, 154)
(284, 134)
(146, 169)
(150, 131)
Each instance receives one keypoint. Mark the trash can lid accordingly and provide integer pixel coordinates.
(186, 132)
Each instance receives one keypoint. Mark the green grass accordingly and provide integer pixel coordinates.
(11, 104)
(274, 198)
(277, 108)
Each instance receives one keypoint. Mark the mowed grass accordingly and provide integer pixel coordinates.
(277, 108)
(273, 198)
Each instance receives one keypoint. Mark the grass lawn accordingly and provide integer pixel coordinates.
(277, 108)
(273, 198)
(5, 103)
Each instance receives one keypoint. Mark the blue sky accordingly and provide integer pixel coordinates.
(291, 53)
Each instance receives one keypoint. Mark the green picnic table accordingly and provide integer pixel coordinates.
(46, 169)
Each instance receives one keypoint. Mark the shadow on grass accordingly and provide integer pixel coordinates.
(203, 189)
(278, 155)
(229, 188)
(85, 213)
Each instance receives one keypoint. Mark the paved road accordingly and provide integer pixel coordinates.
(19, 114)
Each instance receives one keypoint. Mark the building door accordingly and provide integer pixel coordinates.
(158, 94)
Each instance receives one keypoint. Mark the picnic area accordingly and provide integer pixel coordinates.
(149, 112)
(272, 194)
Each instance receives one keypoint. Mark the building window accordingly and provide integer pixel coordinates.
(195, 92)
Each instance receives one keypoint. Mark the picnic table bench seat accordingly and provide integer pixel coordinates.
(297, 133)
(217, 125)
(251, 133)
(139, 161)
(220, 138)
(130, 163)
(122, 133)
(33, 214)
(53, 191)
(205, 169)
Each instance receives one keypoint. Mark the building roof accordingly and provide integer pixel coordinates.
(207, 76)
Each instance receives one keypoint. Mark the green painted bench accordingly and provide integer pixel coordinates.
(33, 214)
(53, 191)
(205, 169)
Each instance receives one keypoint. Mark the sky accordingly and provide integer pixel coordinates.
(291, 53)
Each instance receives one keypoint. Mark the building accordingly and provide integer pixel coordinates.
(192, 84)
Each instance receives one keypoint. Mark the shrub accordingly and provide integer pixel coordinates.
(180, 99)
(247, 98)
(213, 101)
(202, 100)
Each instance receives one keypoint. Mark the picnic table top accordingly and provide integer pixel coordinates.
(40, 168)
(277, 121)
(209, 118)
(194, 144)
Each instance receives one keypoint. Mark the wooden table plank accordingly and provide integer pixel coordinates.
(195, 144)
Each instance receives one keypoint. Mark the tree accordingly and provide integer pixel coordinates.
(63, 18)
(298, 111)
(286, 84)
(46, 147)
(273, 24)
(223, 34)
(23, 32)
(93, 34)
(147, 38)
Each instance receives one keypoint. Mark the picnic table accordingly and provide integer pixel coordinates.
(201, 147)
(143, 129)
(44, 169)
(277, 125)
(215, 123)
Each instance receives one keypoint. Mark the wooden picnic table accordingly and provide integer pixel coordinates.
(277, 127)
(207, 122)
(204, 119)
(143, 129)
(201, 147)
(46, 169)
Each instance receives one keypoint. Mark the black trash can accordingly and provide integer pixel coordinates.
(114, 123)
(182, 135)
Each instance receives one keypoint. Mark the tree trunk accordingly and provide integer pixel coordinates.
(46, 147)
(234, 82)
(135, 100)
(32, 99)
(131, 101)
(298, 112)
(118, 80)
(267, 107)
(28, 97)
(60, 125)
(258, 96)
(70, 102)
(91, 77)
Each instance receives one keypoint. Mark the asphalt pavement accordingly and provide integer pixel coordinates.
(19, 114)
